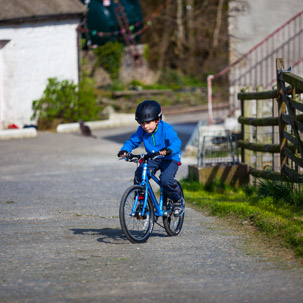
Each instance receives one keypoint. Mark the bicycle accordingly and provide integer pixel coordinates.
(140, 209)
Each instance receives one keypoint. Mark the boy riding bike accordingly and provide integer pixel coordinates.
(157, 136)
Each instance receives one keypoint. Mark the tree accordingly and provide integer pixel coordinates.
(187, 35)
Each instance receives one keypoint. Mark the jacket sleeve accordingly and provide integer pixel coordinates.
(172, 140)
(134, 140)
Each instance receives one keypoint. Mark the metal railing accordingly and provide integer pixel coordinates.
(257, 66)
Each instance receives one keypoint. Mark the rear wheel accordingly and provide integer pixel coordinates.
(172, 224)
(136, 227)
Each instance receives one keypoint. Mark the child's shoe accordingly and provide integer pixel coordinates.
(179, 207)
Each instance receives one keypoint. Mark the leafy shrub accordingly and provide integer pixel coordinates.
(66, 101)
(109, 57)
(172, 79)
(175, 80)
(116, 85)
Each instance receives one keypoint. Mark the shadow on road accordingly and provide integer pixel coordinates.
(108, 235)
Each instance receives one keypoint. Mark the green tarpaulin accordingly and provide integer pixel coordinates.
(102, 24)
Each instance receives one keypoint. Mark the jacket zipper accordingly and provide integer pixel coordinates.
(154, 139)
(153, 135)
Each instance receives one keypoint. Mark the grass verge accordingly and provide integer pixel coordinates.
(277, 219)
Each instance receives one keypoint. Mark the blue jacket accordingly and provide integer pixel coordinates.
(163, 137)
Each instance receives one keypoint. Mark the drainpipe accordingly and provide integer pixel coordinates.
(210, 99)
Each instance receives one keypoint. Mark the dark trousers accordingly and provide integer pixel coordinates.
(168, 169)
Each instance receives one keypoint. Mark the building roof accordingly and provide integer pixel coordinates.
(15, 11)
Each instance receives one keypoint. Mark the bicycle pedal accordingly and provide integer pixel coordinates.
(180, 213)
(167, 213)
(141, 217)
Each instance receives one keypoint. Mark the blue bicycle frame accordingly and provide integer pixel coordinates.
(146, 175)
(139, 207)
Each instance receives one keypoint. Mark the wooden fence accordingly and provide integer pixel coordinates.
(284, 149)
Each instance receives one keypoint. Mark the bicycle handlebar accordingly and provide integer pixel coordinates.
(135, 158)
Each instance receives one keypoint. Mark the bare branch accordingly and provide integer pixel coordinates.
(218, 24)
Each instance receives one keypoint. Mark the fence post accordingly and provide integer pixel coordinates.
(281, 109)
(275, 131)
(242, 131)
(246, 129)
(259, 130)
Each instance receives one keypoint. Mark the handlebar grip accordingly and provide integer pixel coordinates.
(168, 151)
(129, 156)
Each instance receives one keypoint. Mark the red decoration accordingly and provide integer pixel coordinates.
(13, 126)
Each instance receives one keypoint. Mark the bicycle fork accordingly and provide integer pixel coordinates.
(139, 207)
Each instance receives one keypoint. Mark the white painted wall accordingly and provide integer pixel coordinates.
(35, 53)
(250, 21)
(1, 81)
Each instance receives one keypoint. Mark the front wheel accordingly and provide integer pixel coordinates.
(172, 224)
(137, 227)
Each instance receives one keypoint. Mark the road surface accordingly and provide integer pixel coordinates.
(61, 239)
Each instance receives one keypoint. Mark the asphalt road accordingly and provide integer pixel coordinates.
(61, 239)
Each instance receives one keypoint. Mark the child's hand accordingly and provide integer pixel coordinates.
(165, 151)
(122, 153)
(162, 152)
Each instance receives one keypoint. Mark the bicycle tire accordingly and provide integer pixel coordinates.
(173, 225)
(137, 229)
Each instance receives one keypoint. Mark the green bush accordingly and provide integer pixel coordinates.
(172, 79)
(285, 191)
(109, 57)
(175, 80)
(66, 101)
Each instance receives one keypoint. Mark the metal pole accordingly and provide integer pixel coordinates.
(210, 99)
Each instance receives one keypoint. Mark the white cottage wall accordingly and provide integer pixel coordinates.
(36, 52)
(1, 84)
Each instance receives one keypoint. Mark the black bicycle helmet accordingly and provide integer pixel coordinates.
(148, 110)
